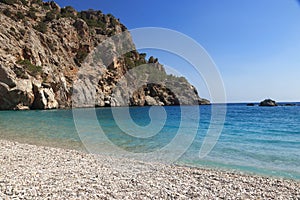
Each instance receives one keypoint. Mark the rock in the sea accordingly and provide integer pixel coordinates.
(250, 104)
(268, 102)
(289, 104)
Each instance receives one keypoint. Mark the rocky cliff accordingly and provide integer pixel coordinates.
(43, 50)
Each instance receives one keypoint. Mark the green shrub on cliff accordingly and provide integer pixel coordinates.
(129, 63)
(94, 21)
(7, 12)
(50, 16)
(39, 2)
(46, 7)
(24, 2)
(41, 27)
(30, 68)
(68, 11)
(31, 13)
(20, 15)
(9, 2)
(80, 56)
(114, 22)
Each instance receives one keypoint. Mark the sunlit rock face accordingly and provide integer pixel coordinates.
(43, 52)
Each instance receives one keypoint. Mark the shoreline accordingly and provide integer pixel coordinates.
(243, 172)
(81, 148)
(280, 104)
(45, 172)
(78, 146)
(224, 168)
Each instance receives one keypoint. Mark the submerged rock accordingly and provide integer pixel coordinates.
(288, 104)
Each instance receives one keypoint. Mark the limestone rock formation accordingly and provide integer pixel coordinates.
(44, 49)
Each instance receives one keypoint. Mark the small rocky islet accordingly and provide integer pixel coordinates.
(43, 47)
(270, 103)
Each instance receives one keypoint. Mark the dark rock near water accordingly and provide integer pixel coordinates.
(287, 104)
(268, 102)
(250, 104)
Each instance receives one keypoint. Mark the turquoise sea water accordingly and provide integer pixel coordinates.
(261, 140)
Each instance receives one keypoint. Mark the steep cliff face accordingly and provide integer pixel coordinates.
(44, 46)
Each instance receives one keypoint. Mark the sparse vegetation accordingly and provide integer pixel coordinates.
(30, 68)
(22, 31)
(131, 62)
(24, 2)
(155, 75)
(39, 2)
(173, 78)
(140, 62)
(20, 73)
(80, 56)
(110, 32)
(41, 27)
(13, 29)
(94, 23)
(9, 2)
(68, 11)
(152, 60)
(31, 13)
(20, 15)
(93, 18)
(110, 15)
(46, 7)
(15, 16)
(113, 22)
(50, 16)
(7, 12)
(152, 74)
(143, 56)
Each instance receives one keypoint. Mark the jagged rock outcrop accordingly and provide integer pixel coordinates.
(268, 102)
(44, 47)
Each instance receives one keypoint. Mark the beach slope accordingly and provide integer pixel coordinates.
(35, 172)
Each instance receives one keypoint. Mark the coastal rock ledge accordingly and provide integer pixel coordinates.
(44, 47)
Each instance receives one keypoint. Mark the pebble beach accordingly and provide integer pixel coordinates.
(38, 172)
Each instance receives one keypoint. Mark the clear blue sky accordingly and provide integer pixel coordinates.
(254, 43)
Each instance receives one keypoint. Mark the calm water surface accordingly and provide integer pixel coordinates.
(261, 140)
